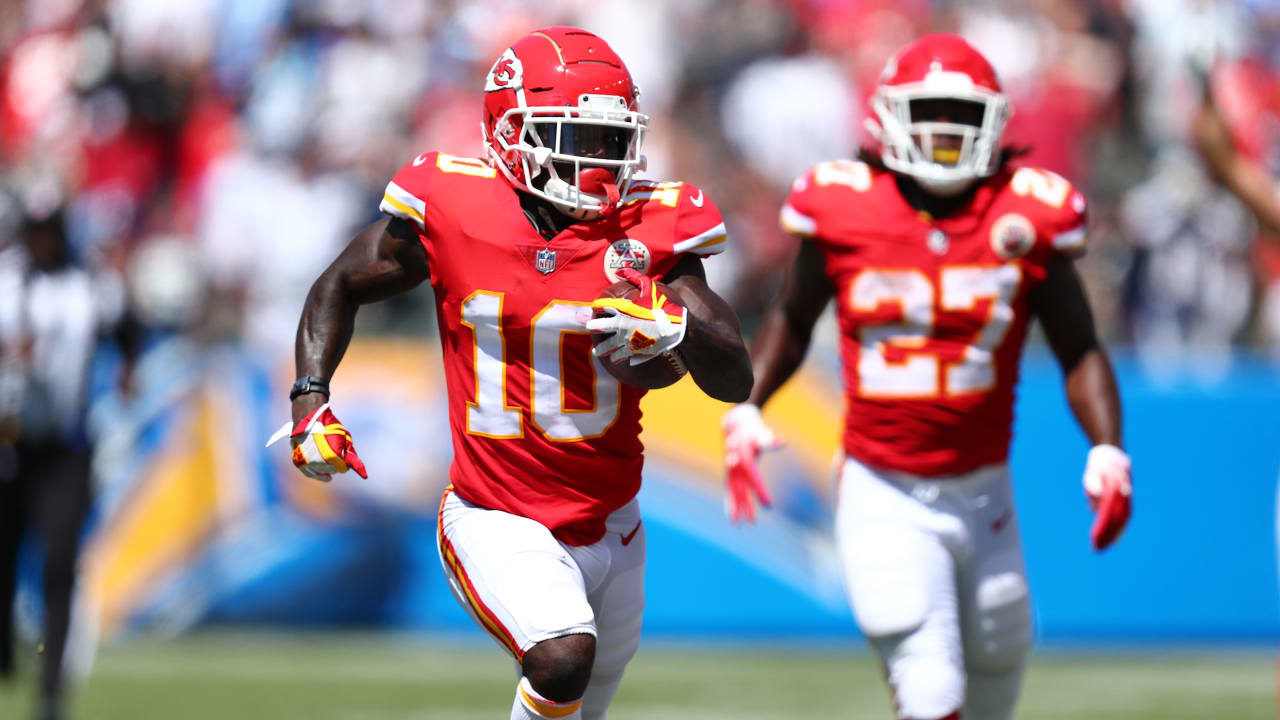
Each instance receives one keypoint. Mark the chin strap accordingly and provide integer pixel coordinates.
(611, 193)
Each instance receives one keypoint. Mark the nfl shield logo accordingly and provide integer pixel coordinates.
(546, 261)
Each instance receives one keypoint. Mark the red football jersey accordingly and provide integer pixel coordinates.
(932, 312)
(540, 428)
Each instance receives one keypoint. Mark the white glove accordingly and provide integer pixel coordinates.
(1108, 485)
(642, 329)
(745, 436)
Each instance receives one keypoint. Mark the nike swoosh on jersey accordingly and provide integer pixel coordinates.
(626, 539)
(420, 159)
(698, 200)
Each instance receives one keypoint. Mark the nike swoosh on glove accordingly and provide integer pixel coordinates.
(642, 329)
(1108, 485)
(321, 445)
(745, 436)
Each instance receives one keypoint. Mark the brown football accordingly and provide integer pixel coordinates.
(659, 372)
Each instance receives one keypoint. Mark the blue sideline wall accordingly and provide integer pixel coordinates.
(1197, 564)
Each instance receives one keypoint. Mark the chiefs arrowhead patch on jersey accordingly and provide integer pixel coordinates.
(1012, 236)
(626, 253)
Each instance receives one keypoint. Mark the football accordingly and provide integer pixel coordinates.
(659, 372)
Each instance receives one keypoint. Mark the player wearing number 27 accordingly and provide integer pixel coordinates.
(938, 252)
(539, 533)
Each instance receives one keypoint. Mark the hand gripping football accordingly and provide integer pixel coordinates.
(657, 372)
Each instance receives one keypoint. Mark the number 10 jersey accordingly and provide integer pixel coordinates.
(540, 428)
(933, 312)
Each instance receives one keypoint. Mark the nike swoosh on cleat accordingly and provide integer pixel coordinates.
(626, 539)
(698, 200)
(998, 524)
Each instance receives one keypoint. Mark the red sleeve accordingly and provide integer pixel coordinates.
(406, 194)
(824, 188)
(699, 228)
(798, 215)
(1058, 210)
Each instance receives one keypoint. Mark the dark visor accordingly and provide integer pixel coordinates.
(962, 112)
(589, 141)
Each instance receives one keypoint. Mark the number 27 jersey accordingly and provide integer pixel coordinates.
(933, 313)
(540, 428)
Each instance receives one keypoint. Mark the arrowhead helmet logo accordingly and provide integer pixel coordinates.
(507, 73)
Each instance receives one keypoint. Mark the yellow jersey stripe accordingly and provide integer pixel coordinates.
(707, 243)
(796, 222)
(1070, 240)
(400, 210)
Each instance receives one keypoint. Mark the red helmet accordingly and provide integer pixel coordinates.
(941, 113)
(560, 120)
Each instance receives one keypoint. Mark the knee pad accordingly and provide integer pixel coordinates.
(999, 636)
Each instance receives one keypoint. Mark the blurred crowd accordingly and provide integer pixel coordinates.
(175, 174)
(209, 157)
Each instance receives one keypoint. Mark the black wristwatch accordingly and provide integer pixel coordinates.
(309, 384)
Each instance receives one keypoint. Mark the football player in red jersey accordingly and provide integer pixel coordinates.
(540, 534)
(938, 253)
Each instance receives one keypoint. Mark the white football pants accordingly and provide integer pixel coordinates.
(523, 586)
(935, 575)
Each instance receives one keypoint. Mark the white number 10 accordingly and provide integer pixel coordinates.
(490, 414)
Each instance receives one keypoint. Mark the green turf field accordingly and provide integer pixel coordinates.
(227, 676)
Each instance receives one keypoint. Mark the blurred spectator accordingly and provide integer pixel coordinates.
(270, 225)
(1191, 289)
(49, 324)
(1192, 282)
(1238, 155)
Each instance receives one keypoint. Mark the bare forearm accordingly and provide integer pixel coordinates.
(777, 353)
(717, 357)
(1063, 309)
(713, 347)
(326, 327)
(783, 340)
(1243, 177)
(1094, 398)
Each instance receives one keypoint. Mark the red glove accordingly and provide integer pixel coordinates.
(1110, 491)
(321, 446)
(745, 435)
